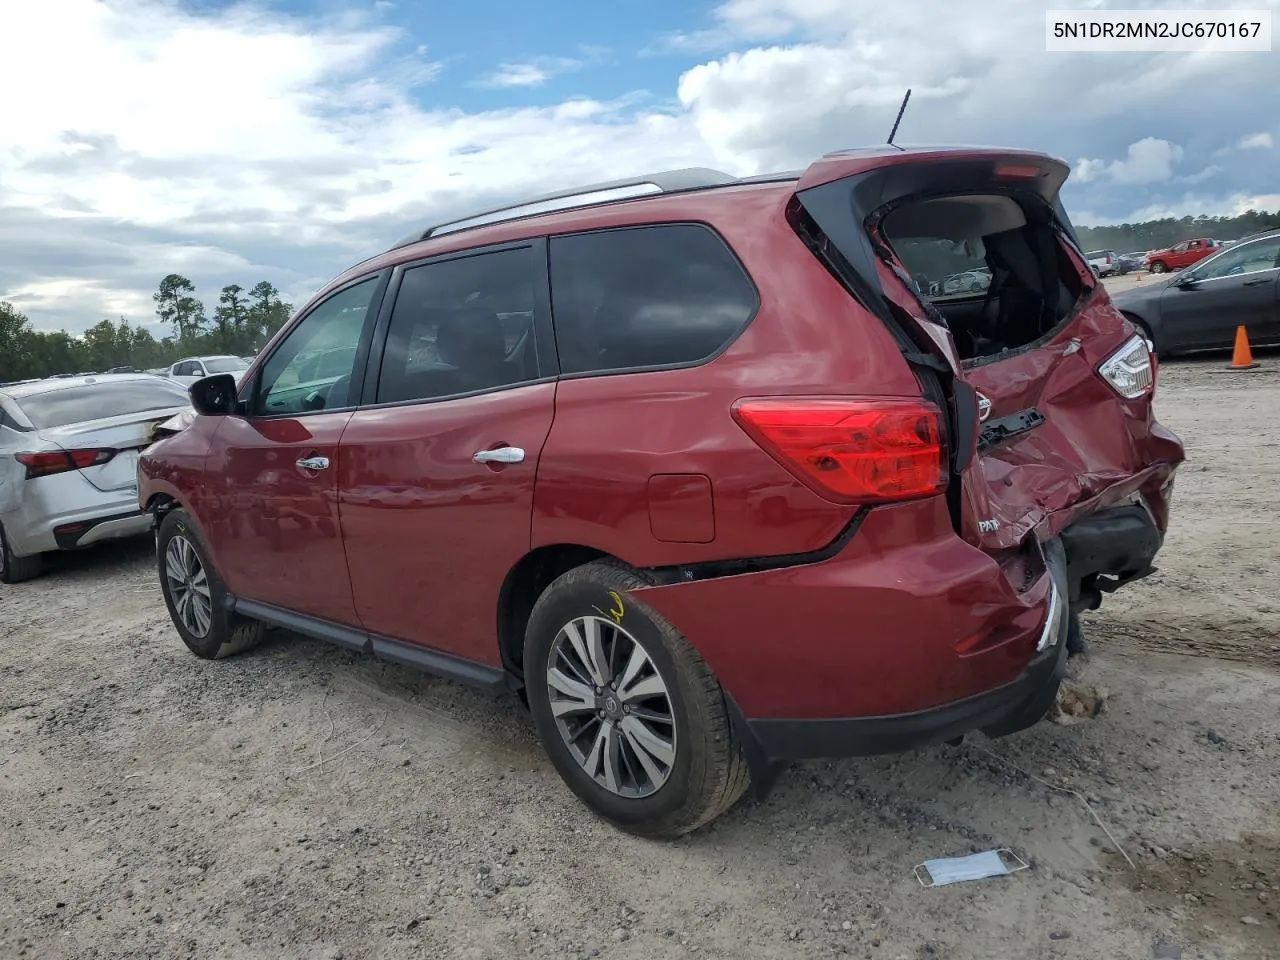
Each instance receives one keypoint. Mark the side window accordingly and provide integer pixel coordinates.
(645, 297)
(1181, 247)
(197, 370)
(182, 370)
(292, 382)
(1248, 258)
(461, 326)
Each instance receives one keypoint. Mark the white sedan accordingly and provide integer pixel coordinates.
(191, 369)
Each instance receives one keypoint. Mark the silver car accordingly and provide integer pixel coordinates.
(68, 462)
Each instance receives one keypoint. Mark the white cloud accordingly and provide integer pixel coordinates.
(518, 75)
(1086, 170)
(1261, 202)
(538, 70)
(256, 145)
(1255, 141)
(1150, 160)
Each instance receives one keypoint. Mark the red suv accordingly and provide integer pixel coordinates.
(696, 465)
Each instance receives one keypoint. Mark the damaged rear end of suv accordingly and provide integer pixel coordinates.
(954, 604)
(1049, 387)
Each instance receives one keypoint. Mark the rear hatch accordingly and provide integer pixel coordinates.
(1048, 387)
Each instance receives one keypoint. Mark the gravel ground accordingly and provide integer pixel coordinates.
(303, 802)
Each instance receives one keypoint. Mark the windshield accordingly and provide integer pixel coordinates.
(225, 365)
(98, 401)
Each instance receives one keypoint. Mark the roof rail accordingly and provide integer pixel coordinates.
(780, 177)
(669, 181)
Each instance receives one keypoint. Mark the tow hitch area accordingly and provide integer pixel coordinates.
(1108, 549)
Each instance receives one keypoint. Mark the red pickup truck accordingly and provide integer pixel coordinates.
(1181, 255)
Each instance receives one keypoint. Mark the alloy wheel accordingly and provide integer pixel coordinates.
(612, 707)
(188, 586)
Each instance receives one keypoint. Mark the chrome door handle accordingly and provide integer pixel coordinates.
(313, 463)
(501, 455)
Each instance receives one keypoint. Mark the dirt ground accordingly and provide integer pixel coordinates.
(303, 802)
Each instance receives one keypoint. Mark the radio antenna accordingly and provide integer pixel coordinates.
(901, 110)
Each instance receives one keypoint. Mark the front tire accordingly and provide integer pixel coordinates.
(14, 569)
(195, 594)
(629, 713)
(1159, 267)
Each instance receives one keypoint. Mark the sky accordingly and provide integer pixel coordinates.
(284, 140)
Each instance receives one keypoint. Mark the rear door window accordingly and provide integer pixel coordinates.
(462, 326)
(646, 297)
(100, 401)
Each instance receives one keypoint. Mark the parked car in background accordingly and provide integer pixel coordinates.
(1200, 308)
(970, 281)
(68, 462)
(1104, 263)
(1129, 262)
(1181, 255)
(191, 369)
(690, 461)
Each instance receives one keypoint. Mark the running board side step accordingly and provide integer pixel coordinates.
(425, 659)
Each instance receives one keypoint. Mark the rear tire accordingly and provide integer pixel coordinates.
(196, 596)
(655, 753)
(15, 569)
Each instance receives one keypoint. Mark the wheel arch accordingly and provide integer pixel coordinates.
(1144, 325)
(524, 584)
(158, 504)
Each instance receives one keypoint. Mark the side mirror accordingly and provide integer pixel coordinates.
(214, 396)
(1188, 282)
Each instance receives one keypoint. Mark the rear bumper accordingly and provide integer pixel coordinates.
(84, 533)
(999, 712)
(31, 530)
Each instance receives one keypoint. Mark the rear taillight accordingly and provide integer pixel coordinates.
(48, 462)
(852, 450)
(1130, 370)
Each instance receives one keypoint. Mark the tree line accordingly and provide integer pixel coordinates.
(1159, 234)
(240, 323)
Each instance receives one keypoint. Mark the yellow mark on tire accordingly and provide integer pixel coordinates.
(615, 614)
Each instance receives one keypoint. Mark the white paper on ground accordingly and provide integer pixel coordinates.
(976, 866)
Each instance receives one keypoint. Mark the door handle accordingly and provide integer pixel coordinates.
(313, 463)
(501, 455)
(1258, 283)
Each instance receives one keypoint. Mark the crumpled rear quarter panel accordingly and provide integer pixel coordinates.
(870, 632)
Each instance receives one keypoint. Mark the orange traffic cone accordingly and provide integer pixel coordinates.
(1242, 356)
(1138, 277)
